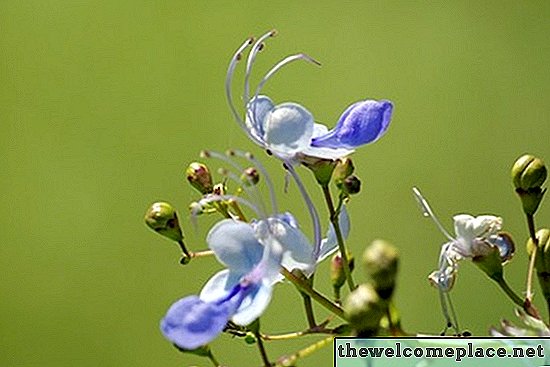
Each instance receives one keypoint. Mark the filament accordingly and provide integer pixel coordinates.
(251, 58)
(428, 212)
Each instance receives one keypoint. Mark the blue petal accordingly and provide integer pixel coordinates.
(289, 128)
(191, 323)
(323, 152)
(253, 304)
(220, 285)
(361, 123)
(235, 245)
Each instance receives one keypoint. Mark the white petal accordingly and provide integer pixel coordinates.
(219, 286)
(288, 128)
(253, 305)
(256, 113)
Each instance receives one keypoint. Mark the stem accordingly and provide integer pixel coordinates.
(341, 246)
(309, 311)
(204, 253)
(183, 248)
(237, 209)
(509, 292)
(318, 297)
(531, 269)
(291, 360)
(261, 347)
(213, 359)
(297, 334)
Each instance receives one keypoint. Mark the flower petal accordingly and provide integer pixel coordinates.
(235, 245)
(256, 113)
(361, 123)
(191, 323)
(253, 304)
(330, 244)
(288, 129)
(219, 286)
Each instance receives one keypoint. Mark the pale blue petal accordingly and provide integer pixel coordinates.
(235, 245)
(191, 323)
(321, 152)
(288, 129)
(330, 244)
(256, 113)
(361, 123)
(297, 251)
(253, 304)
(219, 286)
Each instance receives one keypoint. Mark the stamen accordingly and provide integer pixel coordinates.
(273, 71)
(269, 183)
(312, 211)
(252, 190)
(258, 46)
(229, 81)
(428, 212)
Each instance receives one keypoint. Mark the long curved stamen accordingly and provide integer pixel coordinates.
(250, 61)
(229, 81)
(312, 211)
(428, 212)
(251, 190)
(273, 71)
(262, 169)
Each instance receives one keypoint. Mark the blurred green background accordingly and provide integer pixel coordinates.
(104, 103)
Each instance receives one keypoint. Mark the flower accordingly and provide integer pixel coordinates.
(288, 129)
(476, 237)
(253, 254)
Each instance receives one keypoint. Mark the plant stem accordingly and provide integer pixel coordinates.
(204, 253)
(531, 269)
(213, 359)
(309, 311)
(318, 297)
(261, 347)
(509, 292)
(341, 246)
(291, 360)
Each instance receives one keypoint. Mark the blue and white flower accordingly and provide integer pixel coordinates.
(288, 130)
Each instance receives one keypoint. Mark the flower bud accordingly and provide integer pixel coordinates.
(322, 169)
(542, 260)
(162, 218)
(337, 274)
(351, 185)
(528, 172)
(363, 308)
(250, 176)
(199, 177)
(343, 169)
(380, 261)
(528, 175)
(219, 189)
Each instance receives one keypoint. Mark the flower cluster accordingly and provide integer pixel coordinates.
(259, 246)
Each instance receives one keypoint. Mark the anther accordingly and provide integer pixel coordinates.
(230, 153)
(204, 154)
(249, 156)
(261, 46)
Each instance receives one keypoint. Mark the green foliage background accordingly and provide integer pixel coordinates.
(104, 103)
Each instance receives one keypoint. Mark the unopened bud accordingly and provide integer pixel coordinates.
(542, 259)
(162, 218)
(322, 169)
(219, 189)
(343, 169)
(381, 260)
(363, 308)
(528, 172)
(250, 176)
(337, 274)
(528, 175)
(199, 177)
(351, 185)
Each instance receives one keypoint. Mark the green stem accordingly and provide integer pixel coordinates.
(309, 311)
(318, 297)
(291, 360)
(509, 292)
(261, 347)
(341, 245)
(531, 268)
(213, 359)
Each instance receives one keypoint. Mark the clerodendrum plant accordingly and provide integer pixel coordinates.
(260, 246)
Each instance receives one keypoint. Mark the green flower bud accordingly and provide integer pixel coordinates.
(528, 175)
(542, 259)
(199, 177)
(363, 308)
(343, 169)
(322, 170)
(162, 218)
(250, 176)
(381, 260)
(490, 263)
(337, 274)
(351, 185)
(528, 172)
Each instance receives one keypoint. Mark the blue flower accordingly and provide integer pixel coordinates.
(253, 254)
(288, 129)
